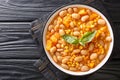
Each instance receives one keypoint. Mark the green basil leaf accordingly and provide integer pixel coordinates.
(87, 37)
(70, 39)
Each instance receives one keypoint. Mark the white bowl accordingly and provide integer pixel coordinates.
(101, 63)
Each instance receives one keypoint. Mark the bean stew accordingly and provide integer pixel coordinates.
(77, 39)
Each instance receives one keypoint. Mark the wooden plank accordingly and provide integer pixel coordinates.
(29, 10)
(16, 69)
(16, 41)
(116, 48)
(23, 69)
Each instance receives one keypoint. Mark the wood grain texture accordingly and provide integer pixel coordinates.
(17, 69)
(22, 69)
(16, 41)
(29, 10)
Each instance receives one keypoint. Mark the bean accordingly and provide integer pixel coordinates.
(56, 27)
(81, 65)
(106, 46)
(76, 51)
(75, 16)
(70, 10)
(91, 46)
(58, 22)
(53, 49)
(72, 24)
(55, 22)
(65, 60)
(84, 18)
(93, 56)
(79, 58)
(101, 42)
(101, 22)
(67, 57)
(57, 54)
(61, 32)
(52, 31)
(55, 58)
(76, 33)
(59, 50)
(58, 45)
(84, 68)
(64, 53)
(75, 10)
(62, 13)
(60, 41)
(62, 26)
(88, 11)
(63, 41)
(50, 27)
(64, 66)
(102, 34)
(59, 58)
(84, 52)
(76, 29)
(101, 57)
(72, 69)
(108, 38)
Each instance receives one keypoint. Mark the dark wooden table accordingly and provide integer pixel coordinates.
(18, 51)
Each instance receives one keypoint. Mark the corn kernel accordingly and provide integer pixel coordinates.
(66, 47)
(81, 47)
(79, 23)
(102, 51)
(68, 31)
(62, 45)
(66, 50)
(73, 65)
(74, 56)
(53, 39)
(82, 12)
(83, 56)
(93, 61)
(91, 65)
(77, 64)
(60, 19)
(49, 44)
(71, 59)
(71, 33)
(71, 49)
(92, 26)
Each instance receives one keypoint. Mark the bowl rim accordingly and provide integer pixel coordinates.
(101, 63)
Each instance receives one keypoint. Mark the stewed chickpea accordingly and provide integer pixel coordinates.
(76, 21)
